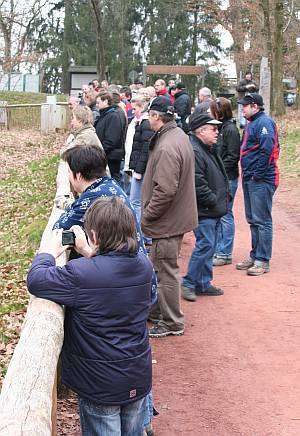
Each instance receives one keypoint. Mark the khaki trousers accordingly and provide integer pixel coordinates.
(164, 256)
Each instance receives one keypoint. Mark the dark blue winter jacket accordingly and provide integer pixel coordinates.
(101, 188)
(260, 150)
(106, 356)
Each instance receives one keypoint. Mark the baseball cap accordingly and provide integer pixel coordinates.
(252, 98)
(180, 85)
(161, 104)
(199, 120)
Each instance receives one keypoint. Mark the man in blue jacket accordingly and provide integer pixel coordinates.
(260, 175)
(106, 356)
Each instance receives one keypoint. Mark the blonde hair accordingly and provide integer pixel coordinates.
(83, 114)
(140, 100)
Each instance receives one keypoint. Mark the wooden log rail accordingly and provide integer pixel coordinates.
(28, 396)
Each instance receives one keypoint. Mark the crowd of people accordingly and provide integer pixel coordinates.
(145, 167)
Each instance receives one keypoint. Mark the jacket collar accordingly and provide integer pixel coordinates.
(85, 127)
(96, 183)
(257, 115)
(195, 139)
(180, 93)
(106, 110)
(162, 92)
(165, 128)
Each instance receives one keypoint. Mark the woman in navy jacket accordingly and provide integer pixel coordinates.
(106, 356)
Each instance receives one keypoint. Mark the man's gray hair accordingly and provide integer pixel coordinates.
(205, 91)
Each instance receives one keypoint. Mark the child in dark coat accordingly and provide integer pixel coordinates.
(106, 356)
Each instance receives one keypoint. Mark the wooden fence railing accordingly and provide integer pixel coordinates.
(46, 117)
(28, 396)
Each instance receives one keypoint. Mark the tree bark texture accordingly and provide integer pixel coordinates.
(277, 65)
(67, 43)
(98, 8)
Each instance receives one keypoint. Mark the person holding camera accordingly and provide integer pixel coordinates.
(106, 355)
(87, 175)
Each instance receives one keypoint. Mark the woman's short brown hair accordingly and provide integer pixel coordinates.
(221, 109)
(83, 114)
(113, 224)
(104, 95)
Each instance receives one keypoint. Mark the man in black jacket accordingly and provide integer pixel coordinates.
(110, 129)
(212, 201)
(182, 105)
(245, 86)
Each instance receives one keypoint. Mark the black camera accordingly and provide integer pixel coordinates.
(68, 237)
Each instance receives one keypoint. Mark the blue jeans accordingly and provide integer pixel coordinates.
(136, 200)
(226, 228)
(136, 195)
(258, 198)
(99, 420)
(125, 179)
(200, 269)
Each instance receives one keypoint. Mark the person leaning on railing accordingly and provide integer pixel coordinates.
(106, 355)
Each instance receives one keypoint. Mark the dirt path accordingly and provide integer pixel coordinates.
(236, 369)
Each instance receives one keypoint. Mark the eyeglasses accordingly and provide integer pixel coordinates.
(207, 128)
(211, 128)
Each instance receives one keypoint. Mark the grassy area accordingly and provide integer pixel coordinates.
(26, 200)
(290, 155)
(26, 203)
(14, 97)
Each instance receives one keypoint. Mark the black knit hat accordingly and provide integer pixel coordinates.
(199, 120)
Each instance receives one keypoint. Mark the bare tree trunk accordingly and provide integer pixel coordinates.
(237, 33)
(194, 51)
(266, 31)
(6, 29)
(98, 9)
(67, 42)
(277, 65)
(297, 105)
(123, 11)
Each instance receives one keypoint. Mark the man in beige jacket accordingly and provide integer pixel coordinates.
(168, 211)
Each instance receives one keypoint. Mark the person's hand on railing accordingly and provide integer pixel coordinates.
(64, 201)
(54, 246)
(81, 244)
